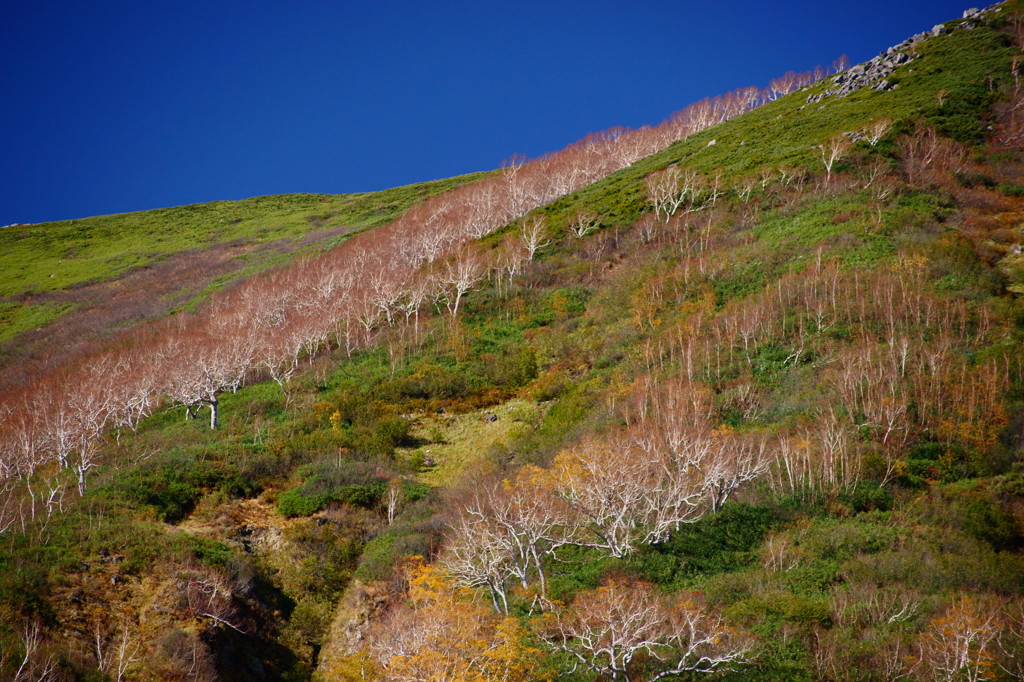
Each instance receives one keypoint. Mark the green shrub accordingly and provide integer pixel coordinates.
(378, 559)
(962, 115)
(986, 520)
(414, 532)
(393, 432)
(295, 502)
(429, 382)
(412, 491)
(717, 543)
(725, 589)
(327, 550)
(561, 422)
(514, 367)
(831, 538)
(870, 497)
(349, 482)
(968, 179)
(1009, 485)
(568, 300)
(780, 607)
(580, 568)
(174, 487)
(210, 552)
(931, 461)
(743, 280)
(941, 560)
(309, 622)
(1011, 190)
(769, 361)
(359, 495)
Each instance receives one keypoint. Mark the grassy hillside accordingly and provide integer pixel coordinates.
(870, 324)
(159, 260)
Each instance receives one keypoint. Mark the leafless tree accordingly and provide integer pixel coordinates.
(392, 498)
(606, 630)
(623, 496)
(533, 234)
(583, 222)
(462, 272)
(126, 650)
(733, 460)
(208, 596)
(834, 149)
(31, 668)
(524, 520)
(477, 555)
(927, 156)
(959, 645)
(877, 129)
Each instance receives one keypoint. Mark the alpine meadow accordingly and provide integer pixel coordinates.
(738, 396)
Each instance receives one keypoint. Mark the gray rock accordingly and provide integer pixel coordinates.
(939, 30)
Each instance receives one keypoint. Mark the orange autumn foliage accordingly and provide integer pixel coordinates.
(441, 633)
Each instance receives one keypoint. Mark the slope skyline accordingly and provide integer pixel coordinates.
(120, 108)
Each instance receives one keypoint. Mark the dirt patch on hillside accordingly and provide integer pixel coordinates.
(103, 310)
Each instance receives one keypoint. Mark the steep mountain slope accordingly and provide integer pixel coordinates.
(751, 406)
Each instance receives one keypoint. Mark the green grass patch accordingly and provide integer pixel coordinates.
(454, 441)
(21, 317)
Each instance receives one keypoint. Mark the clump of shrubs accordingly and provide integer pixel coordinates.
(348, 482)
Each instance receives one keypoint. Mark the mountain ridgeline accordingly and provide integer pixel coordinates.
(740, 396)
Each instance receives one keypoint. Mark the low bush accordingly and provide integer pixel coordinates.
(968, 179)
(172, 488)
(718, 543)
(1011, 190)
(347, 482)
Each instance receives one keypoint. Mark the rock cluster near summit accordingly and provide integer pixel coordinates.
(876, 73)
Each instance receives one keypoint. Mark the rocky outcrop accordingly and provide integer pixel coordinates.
(873, 74)
(360, 603)
(877, 72)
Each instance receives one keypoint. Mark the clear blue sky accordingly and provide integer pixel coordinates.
(110, 107)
